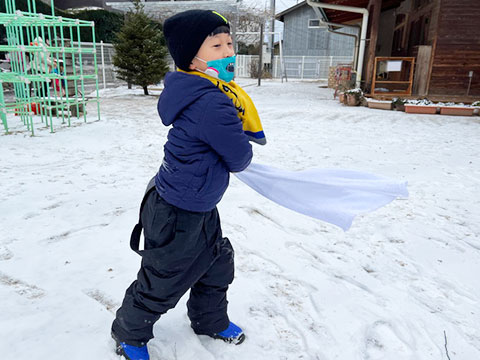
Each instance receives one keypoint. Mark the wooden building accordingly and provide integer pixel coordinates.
(442, 35)
(305, 35)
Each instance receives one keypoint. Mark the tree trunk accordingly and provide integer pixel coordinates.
(145, 90)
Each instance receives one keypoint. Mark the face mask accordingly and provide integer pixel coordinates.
(223, 69)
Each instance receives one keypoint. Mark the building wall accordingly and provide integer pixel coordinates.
(299, 40)
(410, 34)
(457, 48)
(385, 33)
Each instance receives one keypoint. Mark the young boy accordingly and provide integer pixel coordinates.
(184, 247)
(58, 69)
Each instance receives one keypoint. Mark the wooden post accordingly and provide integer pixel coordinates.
(260, 59)
(422, 70)
(374, 77)
(377, 7)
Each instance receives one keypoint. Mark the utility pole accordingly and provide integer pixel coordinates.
(260, 60)
(272, 30)
(234, 28)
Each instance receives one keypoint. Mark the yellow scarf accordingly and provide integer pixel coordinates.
(246, 110)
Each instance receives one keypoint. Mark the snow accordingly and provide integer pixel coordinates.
(84, 8)
(391, 287)
(426, 102)
(370, 100)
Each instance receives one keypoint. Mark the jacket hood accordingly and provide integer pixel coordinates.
(180, 91)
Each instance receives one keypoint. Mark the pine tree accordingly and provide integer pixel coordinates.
(140, 51)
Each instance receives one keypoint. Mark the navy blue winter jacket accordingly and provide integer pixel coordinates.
(204, 145)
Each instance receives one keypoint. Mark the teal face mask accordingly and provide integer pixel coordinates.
(223, 69)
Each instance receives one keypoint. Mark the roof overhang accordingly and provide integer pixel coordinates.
(342, 17)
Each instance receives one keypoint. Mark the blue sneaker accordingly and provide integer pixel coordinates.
(131, 352)
(233, 334)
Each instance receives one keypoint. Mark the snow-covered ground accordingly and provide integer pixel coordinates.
(399, 283)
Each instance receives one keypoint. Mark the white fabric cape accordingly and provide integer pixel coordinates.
(332, 195)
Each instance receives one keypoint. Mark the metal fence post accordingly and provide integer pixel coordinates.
(303, 66)
(103, 65)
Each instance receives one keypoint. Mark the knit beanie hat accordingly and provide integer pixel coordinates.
(186, 31)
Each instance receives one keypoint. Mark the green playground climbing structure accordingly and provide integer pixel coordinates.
(45, 82)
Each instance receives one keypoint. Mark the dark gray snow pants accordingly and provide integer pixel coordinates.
(183, 250)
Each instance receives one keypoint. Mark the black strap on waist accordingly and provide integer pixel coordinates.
(137, 230)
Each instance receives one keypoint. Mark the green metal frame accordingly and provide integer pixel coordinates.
(46, 40)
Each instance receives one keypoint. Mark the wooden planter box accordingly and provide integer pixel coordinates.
(383, 105)
(420, 109)
(456, 110)
(341, 98)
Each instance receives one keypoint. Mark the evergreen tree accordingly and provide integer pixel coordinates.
(140, 51)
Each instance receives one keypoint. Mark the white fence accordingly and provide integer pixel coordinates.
(107, 76)
(296, 67)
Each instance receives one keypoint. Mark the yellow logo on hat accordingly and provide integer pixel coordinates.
(223, 17)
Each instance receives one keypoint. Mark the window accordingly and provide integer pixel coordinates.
(400, 19)
(313, 23)
(399, 35)
(419, 32)
(397, 44)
